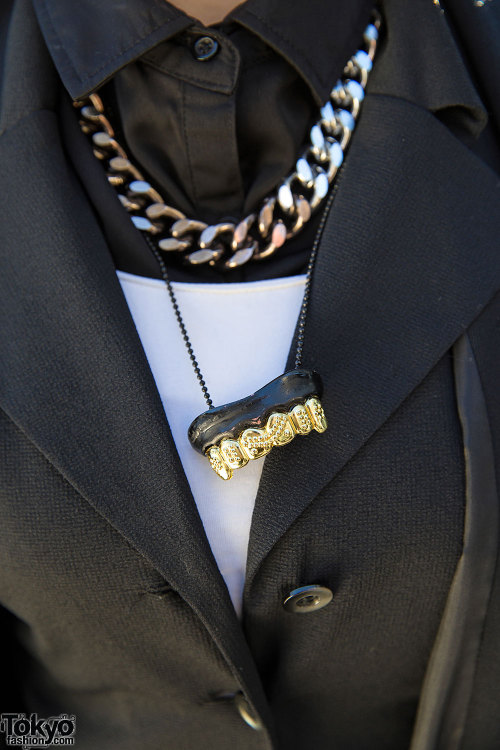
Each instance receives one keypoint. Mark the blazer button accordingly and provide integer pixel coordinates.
(246, 712)
(307, 599)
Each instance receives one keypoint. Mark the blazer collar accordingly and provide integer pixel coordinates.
(407, 260)
(401, 270)
(420, 61)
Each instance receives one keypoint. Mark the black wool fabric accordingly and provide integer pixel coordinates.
(375, 575)
(485, 699)
(365, 535)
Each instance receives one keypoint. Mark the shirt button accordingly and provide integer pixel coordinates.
(205, 47)
(246, 712)
(307, 599)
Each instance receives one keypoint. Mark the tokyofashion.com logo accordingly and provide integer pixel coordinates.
(31, 731)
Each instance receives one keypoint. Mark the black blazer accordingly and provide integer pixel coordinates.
(112, 599)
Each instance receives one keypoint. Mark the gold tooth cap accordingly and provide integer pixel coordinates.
(255, 443)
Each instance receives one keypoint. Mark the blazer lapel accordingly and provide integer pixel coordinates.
(408, 259)
(78, 383)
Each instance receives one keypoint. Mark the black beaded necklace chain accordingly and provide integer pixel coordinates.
(233, 434)
(301, 323)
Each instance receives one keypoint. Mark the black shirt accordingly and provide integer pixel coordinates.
(214, 136)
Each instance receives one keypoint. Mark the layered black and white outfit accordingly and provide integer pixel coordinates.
(114, 604)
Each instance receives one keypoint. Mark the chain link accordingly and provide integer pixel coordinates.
(260, 234)
(281, 216)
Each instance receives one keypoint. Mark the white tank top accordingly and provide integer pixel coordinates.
(241, 335)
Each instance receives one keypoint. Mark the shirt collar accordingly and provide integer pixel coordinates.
(91, 40)
(317, 38)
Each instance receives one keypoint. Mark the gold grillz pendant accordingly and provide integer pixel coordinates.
(234, 434)
(254, 443)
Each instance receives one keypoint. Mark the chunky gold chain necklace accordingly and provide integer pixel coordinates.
(233, 434)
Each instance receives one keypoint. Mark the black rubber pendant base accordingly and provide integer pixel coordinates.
(244, 430)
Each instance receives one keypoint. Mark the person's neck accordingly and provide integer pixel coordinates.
(206, 11)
